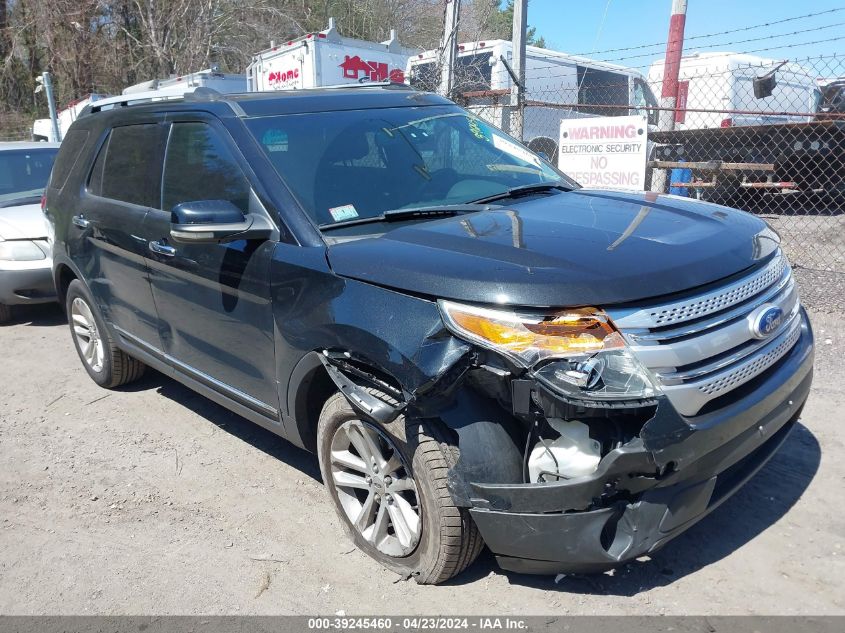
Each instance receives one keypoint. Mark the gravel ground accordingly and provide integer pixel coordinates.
(153, 500)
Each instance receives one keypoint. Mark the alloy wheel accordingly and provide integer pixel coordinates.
(375, 488)
(87, 335)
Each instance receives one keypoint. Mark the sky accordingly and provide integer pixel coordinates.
(591, 26)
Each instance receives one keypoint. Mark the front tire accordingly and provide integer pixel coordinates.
(108, 365)
(388, 486)
(5, 313)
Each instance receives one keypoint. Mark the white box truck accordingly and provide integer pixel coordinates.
(42, 129)
(208, 78)
(751, 130)
(557, 86)
(723, 84)
(327, 59)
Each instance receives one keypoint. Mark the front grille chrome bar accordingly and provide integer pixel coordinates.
(688, 398)
(700, 348)
(699, 306)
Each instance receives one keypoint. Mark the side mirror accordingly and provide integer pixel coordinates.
(210, 221)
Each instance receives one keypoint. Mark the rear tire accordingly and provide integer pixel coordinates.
(5, 313)
(447, 540)
(108, 365)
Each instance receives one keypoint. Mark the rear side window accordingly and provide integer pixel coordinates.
(69, 152)
(199, 166)
(128, 166)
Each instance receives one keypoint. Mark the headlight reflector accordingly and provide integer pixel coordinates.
(529, 339)
(20, 251)
(587, 356)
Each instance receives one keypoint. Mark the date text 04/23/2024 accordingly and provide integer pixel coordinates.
(416, 623)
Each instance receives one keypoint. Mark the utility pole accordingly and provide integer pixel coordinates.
(669, 91)
(672, 64)
(45, 83)
(520, 25)
(449, 47)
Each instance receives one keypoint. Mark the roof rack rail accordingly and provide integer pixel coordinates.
(140, 98)
(137, 98)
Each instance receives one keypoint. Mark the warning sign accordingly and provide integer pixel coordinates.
(605, 152)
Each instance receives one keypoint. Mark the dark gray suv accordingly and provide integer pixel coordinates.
(477, 350)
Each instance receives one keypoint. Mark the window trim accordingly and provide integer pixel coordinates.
(227, 142)
(257, 190)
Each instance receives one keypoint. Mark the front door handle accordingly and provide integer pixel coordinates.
(162, 249)
(80, 221)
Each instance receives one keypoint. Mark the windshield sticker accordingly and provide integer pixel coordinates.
(477, 131)
(503, 144)
(275, 140)
(343, 213)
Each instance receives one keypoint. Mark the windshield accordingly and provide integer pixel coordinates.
(346, 165)
(24, 174)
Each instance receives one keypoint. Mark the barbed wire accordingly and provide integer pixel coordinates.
(728, 32)
(729, 44)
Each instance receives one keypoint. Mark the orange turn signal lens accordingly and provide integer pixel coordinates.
(532, 338)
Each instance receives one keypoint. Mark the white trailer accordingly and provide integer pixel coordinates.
(209, 78)
(327, 59)
(723, 84)
(42, 129)
(557, 86)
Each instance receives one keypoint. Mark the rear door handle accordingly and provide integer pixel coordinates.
(162, 249)
(80, 221)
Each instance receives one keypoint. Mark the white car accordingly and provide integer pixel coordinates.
(25, 254)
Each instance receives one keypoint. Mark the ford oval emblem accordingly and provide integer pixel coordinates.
(765, 321)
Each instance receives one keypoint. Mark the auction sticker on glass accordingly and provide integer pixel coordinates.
(605, 152)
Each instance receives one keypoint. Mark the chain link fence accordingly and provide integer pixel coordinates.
(763, 135)
(15, 127)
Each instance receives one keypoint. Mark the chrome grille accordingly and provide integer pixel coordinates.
(736, 377)
(708, 303)
(703, 347)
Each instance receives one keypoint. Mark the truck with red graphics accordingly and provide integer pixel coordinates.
(327, 58)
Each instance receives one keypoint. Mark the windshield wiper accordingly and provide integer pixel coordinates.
(524, 190)
(412, 213)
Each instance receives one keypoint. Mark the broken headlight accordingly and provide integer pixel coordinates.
(578, 352)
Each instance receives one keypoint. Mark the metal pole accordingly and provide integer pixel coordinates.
(449, 47)
(520, 25)
(672, 64)
(669, 91)
(51, 104)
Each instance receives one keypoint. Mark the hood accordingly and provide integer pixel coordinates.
(26, 222)
(563, 249)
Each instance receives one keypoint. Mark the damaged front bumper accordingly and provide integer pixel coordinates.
(650, 490)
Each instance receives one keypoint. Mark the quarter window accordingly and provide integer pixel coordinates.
(71, 148)
(200, 166)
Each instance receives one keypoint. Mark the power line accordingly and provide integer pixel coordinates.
(727, 44)
(697, 37)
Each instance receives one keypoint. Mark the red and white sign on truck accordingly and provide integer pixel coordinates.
(327, 59)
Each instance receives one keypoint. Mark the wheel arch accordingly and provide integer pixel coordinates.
(63, 274)
(309, 387)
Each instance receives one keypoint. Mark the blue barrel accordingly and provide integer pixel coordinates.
(680, 174)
